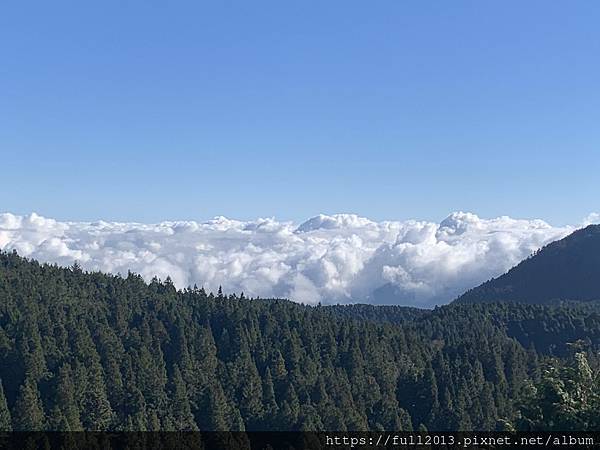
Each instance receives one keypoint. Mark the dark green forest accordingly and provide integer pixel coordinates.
(90, 351)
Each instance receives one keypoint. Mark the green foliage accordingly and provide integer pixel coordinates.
(97, 352)
(566, 398)
(5, 417)
(29, 411)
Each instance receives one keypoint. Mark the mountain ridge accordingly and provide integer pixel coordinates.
(566, 269)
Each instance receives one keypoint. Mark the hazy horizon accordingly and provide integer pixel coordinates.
(343, 258)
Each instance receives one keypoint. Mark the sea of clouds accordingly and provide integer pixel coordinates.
(331, 259)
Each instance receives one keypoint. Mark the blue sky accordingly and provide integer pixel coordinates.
(148, 111)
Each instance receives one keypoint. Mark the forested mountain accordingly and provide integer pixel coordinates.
(98, 352)
(568, 269)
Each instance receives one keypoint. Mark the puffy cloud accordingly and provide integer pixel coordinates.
(339, 258)
(591, 218)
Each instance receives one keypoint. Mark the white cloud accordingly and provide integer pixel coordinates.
(592, 218)
(338, 258)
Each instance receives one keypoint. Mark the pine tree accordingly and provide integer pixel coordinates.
(57, 420)
(427, 402)
(29, 412)
(136, 407)
(405, 422)
(153, 421)
(279, 371)
(32, 350)
(97, 411)
(180, 410)
(65, 397)
(488, 407)
(5, 417)
(269, 401)
(309, 419)
(217, 408)
(290, 407)
(251, 396)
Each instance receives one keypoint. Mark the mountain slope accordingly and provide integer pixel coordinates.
(568, 269)
(88, 351)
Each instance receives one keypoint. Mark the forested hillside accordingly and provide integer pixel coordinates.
(97, 352)
(568, 269)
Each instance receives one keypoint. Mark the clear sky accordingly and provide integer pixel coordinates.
(146, 111)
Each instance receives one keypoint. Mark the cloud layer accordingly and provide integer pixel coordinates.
(340, 258)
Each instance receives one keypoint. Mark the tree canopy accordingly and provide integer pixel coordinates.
(93, 351)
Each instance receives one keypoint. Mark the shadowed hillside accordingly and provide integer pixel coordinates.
(568, 269)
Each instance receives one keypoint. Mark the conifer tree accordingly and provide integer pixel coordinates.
(57, 420)
(5, 417)
(29, 411)
(97, 411)
(65, 398)
(251, 395)
(181, 412)
(218, 409)
(269, 400)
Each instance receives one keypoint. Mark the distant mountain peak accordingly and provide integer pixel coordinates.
(567, 269)
(325, 222)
